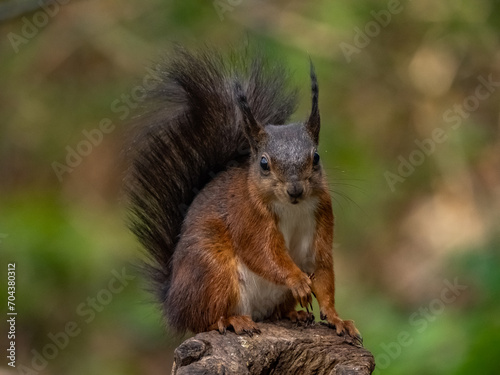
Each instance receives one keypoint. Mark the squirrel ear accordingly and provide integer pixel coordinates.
(254, 131)
(313, 124)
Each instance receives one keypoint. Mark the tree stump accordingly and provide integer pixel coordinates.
(281, 348)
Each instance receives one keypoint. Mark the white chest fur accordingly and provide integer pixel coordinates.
(297, 223)
(258, 297)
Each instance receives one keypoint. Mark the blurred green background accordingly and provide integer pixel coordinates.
(409, 96)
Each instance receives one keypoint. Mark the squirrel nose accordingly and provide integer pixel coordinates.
(295, 191)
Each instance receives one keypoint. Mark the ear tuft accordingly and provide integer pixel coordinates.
(313, 123)
(254, 131)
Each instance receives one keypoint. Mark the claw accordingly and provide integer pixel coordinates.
(358, 339)
(221, 326)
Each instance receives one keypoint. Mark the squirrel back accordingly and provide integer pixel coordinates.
(193, 130)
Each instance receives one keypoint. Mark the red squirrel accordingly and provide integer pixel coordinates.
(231, 202)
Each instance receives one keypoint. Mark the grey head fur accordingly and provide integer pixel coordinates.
(290, 148)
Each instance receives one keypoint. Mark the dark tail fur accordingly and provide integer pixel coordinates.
(193, 130)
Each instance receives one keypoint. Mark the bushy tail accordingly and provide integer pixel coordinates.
(191, 131)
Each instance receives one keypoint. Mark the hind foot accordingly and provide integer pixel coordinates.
(300, 316)
(343, 326)
(241, 324)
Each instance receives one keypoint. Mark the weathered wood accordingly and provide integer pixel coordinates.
(282, 348)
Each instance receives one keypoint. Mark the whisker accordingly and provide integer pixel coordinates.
(337, 202)
(345, 197)
(338, 181)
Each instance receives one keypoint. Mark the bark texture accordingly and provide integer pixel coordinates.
(281, 348)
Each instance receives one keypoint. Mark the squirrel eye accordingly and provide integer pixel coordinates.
(264, 164)
(316, 158)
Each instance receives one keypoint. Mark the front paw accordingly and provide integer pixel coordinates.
(300, 285)
(342, 326)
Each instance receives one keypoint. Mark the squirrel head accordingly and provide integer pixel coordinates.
(284, 164)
